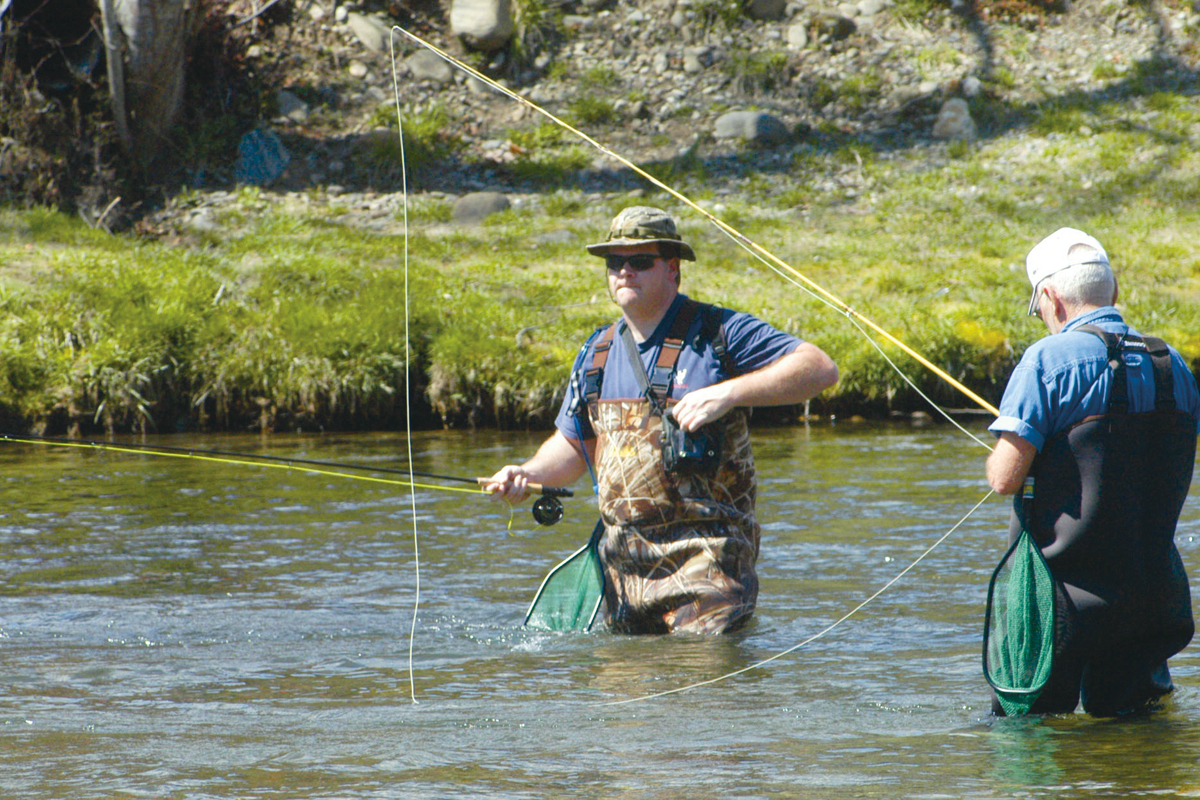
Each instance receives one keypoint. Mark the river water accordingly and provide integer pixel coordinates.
(175, 628)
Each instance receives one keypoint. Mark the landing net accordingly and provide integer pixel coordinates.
(1018, 640)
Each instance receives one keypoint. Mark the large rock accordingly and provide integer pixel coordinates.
(291, 107)
(797, 36)
(954, 121)
(754, 127)
(697, 59)
(485, 25)
(835, 27)
(261, 158)
(766, 9)
(475, 207)
(426, 65)
(369, 31)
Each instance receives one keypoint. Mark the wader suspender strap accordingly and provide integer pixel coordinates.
(711, 330)
(1160, 360)
(658, 388)
(593, 377)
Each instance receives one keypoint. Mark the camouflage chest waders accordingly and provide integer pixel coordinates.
(678, 551)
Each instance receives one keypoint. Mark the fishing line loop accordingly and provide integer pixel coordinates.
(412, 636)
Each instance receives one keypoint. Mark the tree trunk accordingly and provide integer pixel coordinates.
(146, 42)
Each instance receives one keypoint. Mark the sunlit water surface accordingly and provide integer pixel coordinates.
(174, 628)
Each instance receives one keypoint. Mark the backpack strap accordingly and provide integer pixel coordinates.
(1118, 402)
(668, 354)
(1160, 360)
(1164, 374)
(656, 386)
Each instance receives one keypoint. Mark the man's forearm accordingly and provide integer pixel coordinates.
(1009, 463)
(558, 462)
(799, 376)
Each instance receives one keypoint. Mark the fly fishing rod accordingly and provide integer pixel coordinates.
(547, 509)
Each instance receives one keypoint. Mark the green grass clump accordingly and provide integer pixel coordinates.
(430, 136)
(1105, 70)
(757, 71)
(719, 14)
(599, 78)
(591, 110)
(859, 89)
(551, 168)
(917, 9)
(930, 59)
(1061, 118)
(547, 134)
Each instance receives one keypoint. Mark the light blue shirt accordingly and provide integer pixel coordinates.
(1064, 379)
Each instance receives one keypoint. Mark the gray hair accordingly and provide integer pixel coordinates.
(1089, 284)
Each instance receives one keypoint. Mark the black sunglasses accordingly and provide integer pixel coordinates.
(636, 263)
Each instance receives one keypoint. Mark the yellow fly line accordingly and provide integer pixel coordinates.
(245, 461)
(752, 246)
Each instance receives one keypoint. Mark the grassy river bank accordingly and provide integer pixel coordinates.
(286, 315)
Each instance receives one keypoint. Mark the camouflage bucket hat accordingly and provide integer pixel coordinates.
(642, 225)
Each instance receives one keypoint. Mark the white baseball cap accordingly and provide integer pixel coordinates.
(1053, 254)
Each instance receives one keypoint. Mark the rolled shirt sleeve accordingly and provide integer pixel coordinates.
(1024, 408)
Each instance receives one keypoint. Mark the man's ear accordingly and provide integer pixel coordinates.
(1059, 313)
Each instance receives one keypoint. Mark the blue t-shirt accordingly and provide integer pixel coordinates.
(1064, 379)
(750, 342)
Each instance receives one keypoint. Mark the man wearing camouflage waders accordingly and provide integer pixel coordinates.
(680, 536)
(1105, 420)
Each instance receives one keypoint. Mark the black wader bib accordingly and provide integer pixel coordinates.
(1107, 497)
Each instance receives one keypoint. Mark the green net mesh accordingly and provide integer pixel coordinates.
(1018, 640)
(570, 596)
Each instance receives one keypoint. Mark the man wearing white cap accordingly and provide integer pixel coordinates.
(1105, 419)
(656, 406)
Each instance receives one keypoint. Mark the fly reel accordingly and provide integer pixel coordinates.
(547, 510)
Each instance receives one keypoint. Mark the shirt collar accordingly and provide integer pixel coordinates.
(664, 325)
(1102, 314)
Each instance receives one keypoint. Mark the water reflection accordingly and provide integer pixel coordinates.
(1106, 757)
(1024, 754)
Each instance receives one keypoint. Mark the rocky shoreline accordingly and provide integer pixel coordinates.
(735, 103)
(729, 94)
